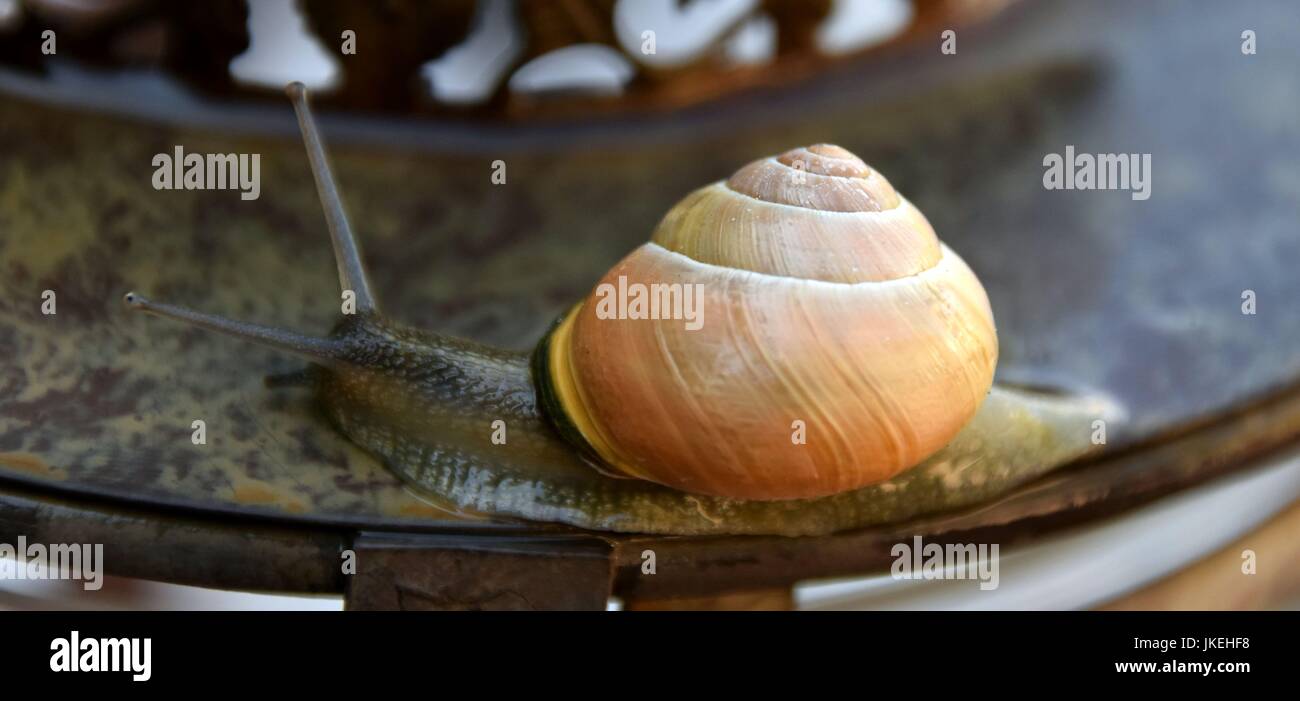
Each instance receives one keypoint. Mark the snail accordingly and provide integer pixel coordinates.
(829, 306)
(829, 300)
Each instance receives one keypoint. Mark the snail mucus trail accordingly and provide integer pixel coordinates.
(624, 426)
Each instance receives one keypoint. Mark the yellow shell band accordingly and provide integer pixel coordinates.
(572, 405)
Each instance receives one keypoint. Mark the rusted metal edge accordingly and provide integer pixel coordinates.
(179, 548)
(256, 553)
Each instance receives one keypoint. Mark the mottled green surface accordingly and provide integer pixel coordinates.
(98, 399)
(1140, 300)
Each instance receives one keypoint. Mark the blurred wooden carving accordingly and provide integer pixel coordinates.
(197, 42)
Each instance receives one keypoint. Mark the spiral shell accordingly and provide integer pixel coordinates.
(830, 312)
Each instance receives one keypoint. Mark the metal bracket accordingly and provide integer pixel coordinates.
(476, 573)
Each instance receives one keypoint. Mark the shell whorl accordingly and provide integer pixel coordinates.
(818, 213)
(827, 301)
(821, 177)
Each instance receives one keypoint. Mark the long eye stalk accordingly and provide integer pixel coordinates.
(352, 274)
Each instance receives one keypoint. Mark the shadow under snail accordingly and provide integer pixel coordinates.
(829, 308)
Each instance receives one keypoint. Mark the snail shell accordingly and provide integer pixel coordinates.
(827, 299)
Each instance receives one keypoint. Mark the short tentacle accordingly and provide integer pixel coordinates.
(321, 350)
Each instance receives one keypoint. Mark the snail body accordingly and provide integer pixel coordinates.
(827, 300)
